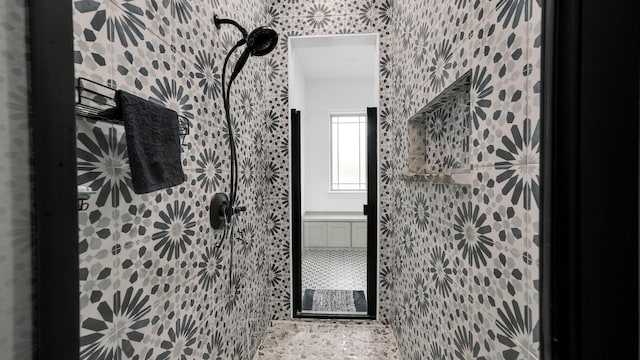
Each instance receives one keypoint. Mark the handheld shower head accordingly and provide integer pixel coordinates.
(262, 41)
(259, 42)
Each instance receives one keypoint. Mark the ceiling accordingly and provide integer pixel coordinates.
(336, 56)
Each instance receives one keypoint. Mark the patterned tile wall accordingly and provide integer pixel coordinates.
(301, 18)
(463, 273)
(458, 263)
(155, 279)
(15, 187)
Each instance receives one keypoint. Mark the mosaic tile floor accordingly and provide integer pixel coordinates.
(287, 340)
(334, 269)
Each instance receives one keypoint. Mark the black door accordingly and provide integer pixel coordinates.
(296, 215)
(370, 209)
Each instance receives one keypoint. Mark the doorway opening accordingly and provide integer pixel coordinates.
(333, 82)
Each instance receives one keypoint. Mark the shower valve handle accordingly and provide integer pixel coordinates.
(220, 211)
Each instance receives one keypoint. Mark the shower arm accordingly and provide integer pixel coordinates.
(217, 21)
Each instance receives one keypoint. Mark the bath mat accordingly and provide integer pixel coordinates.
(324, 300)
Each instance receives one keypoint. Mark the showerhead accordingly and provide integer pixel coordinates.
(262, 41)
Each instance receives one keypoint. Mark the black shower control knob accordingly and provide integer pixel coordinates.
(239, 209)
(220, 211)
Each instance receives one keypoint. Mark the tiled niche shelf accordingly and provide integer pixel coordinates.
(439, 137)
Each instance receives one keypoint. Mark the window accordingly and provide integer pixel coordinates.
(348, 152)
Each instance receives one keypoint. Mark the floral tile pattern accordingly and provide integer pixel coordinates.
(464, 257)
(457, 263)
(156, 281)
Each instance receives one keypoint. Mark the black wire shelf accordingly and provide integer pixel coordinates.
(97, 101)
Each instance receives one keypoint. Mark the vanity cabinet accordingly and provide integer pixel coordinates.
(359, 234)
(334, 230)
(315, 234)
(338, 234)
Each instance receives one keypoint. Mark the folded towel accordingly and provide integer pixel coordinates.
(153, 143)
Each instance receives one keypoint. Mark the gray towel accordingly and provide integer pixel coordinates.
(153, 143)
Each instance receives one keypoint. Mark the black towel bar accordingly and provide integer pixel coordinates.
(97, 101)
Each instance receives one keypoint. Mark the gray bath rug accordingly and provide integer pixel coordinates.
(323, 300)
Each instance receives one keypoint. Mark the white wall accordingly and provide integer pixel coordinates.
(297, 100)
(297, 84)
(323, 97)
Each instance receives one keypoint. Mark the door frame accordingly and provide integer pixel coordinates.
(590, 187)
(372, 221)
(56, 333)
(568, 308)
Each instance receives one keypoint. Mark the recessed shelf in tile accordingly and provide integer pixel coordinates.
(439, 135)
(462, 178)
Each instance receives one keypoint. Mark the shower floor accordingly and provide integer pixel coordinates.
(328, 340)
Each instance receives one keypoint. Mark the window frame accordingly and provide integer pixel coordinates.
(362, 151)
